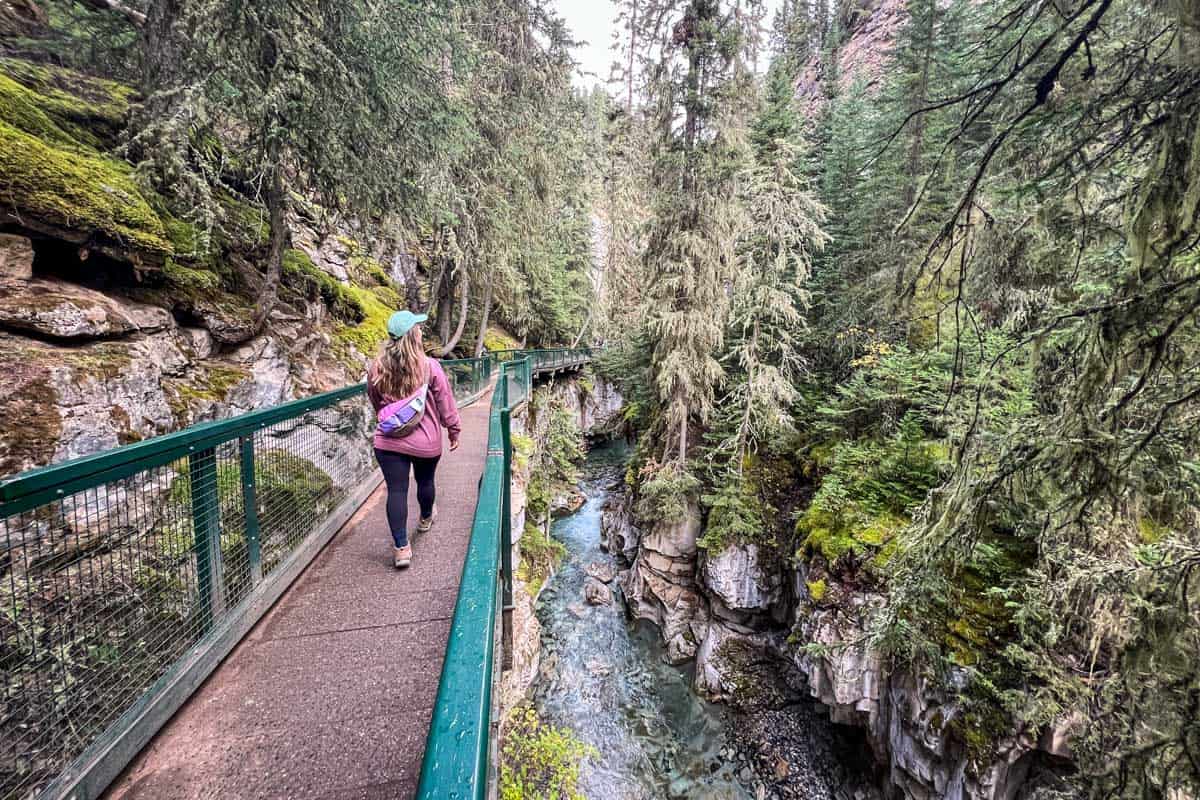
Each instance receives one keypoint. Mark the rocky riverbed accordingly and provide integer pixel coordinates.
(610, 680)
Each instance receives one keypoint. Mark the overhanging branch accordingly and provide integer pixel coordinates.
(138, 18)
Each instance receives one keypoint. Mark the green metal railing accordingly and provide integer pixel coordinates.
(126, 576)
(458, 760)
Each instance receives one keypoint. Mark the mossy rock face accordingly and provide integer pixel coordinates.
(32, 425)
(210, 384)
(53, 176)
(73, 191)
(978, 619)
(79, 110)
(377, 305)
(540, 557)
(833, 535)
(301, 274)
(186, 277)
(498, 339)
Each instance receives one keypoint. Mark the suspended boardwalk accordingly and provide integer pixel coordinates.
(330, 695)
(213, 613)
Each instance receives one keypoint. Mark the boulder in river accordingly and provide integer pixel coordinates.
(601, 571)
(596, 593)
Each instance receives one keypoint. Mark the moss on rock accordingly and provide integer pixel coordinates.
(302, 274)
(210, 384)
(498, 339)
(540, 557)
(75, 190)
(90, 110)
(19, 109)
(834, 534)
(31, 426)
(186, 277)
(98, 362)
(377, 305)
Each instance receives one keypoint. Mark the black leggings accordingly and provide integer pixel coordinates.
(395, 468)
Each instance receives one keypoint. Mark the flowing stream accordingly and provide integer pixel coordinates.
(605, 678)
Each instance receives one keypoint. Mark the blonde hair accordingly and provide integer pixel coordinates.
(400, 368)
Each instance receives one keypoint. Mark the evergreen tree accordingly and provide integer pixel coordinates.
(267, 71)
(769, 296)
(698, 150)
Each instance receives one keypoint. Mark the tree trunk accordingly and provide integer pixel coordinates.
(276, 201)
(445, 298)
(462, 318)
(162, 48)
(583, 328)
(683, 440)
(487, 311)
(632, 47)
(916, 101)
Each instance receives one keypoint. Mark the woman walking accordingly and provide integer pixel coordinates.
(416, 401)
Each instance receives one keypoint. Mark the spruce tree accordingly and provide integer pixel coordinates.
(690, 255)
(769, 295)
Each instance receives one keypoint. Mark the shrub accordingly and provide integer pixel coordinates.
(540, 761)
(540, 556)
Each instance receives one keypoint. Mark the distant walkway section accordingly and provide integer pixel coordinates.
(330, 695)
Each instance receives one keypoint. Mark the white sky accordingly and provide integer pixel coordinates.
(592, 21)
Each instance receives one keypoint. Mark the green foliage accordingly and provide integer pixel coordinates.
(665, 491)
(554, 466)
(735, 515)
(540, 556)
(880, 477)
(539, 761)
(300, 273)
(523, 447)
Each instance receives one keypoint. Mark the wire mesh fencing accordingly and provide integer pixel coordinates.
(104, 589)
(468, 376)
(117, 569)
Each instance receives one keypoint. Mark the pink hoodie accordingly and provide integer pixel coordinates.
(440, 410)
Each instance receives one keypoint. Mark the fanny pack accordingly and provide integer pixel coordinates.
(403, 416)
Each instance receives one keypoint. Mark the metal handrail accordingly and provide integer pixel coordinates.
(202, 491)
(458, 761)
(216, 468)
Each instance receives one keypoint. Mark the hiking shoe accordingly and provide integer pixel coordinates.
(402, 556)
(425, 524)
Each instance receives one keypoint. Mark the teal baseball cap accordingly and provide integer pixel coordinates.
(402, 322)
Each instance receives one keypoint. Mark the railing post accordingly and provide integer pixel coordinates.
(506, 561)
(206, 531)
(250, 506)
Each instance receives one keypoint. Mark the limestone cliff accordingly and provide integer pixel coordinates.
(870, 28)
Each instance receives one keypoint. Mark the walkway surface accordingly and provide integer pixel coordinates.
(330, 695)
